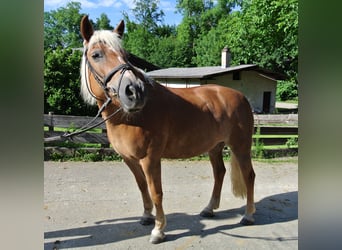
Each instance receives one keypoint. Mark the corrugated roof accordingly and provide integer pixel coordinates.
(206, 72)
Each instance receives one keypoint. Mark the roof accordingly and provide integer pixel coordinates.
(208, 72)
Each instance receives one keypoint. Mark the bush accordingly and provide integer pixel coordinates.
(62, 83)
(292, 142)
(287, 90)
(258, 151)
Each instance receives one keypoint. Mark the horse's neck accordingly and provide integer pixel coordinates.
(110, 109)
(158, 91)
(157, 94)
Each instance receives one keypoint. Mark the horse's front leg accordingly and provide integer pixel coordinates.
(135, 167)
(152, 170)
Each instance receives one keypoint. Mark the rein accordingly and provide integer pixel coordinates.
(86, 127)
(102, 81)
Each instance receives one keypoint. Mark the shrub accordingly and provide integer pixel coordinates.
(287, 90)
(62, 83)
(258, 146)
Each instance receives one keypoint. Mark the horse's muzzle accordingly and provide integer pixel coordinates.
(132, 96)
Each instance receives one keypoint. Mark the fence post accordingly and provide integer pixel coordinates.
(51, 125)
(104, 145)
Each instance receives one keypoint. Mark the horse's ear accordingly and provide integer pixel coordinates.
(120, 28)
(86, 28)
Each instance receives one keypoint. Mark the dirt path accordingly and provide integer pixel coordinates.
(98, 206)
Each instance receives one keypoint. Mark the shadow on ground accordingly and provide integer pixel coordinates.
(277, 208)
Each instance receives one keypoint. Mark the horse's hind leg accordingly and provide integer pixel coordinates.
(243, 176)
(219, 170)
(140, 178)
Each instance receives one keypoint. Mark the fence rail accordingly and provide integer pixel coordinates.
(268, 124)
(273, 129)
(270, 119)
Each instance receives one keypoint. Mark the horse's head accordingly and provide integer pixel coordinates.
(106, 72)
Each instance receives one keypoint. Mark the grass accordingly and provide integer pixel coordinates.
(83, 155)
(94, 130)
(71, 144)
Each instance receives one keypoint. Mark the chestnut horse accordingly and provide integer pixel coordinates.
(147, 121)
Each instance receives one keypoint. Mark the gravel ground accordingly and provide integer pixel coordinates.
(97, 205)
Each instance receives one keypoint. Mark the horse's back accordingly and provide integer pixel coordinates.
(220, 101)
(201, 117)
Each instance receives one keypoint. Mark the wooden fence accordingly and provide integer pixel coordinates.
(273, 129)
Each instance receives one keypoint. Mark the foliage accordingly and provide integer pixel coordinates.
(62, 81)
(287, 90)
(155, 43)
(258, 151)
(147, 14)
(84, 155)
(199, 19)
(62, 59)
(103, 23)
(264, 32)
(61, 27)
(292, 142)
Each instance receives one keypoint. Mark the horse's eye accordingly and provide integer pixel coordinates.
(96, 55)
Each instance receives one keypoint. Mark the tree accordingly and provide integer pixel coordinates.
(103, 23)
(62, 83)
(147, 14)
(208, 49)
(267, 34)
(62, 61)
(61, 27)
(199, 18)
(138, 40)
(264, 32)
(146, 36)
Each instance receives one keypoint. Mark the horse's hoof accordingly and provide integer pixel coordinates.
(145, 221)
(207, 214)
(246, 222)
(157, 238)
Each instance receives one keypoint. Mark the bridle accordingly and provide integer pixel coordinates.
(103, 80)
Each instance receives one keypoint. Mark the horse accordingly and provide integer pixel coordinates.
(147, 122)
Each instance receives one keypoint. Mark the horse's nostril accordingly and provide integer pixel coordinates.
(130, 91)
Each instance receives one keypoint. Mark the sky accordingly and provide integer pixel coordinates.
(114, 8)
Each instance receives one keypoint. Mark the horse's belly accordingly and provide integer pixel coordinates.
(187, 149)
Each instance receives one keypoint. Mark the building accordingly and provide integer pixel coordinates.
(257, 84)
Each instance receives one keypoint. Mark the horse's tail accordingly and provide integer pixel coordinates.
(238, 184)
